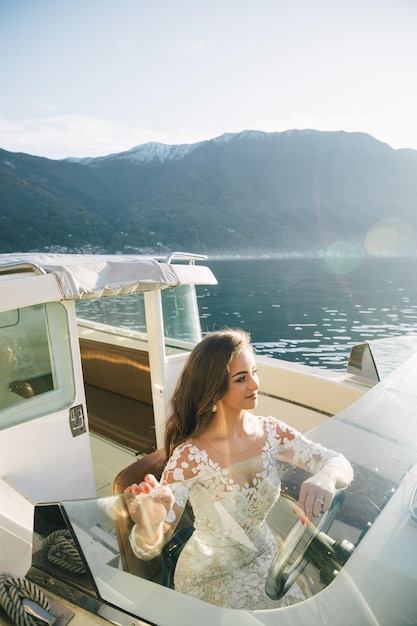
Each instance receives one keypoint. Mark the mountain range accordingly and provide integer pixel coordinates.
(298, 191)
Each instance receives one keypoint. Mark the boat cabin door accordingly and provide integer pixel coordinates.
(45, 448)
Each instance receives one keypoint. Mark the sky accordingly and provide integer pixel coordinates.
(95, 77)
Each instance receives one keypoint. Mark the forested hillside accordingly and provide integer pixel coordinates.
(243, 193)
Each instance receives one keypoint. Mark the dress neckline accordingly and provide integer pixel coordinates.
(212, 454)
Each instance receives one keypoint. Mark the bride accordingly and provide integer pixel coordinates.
(223, 460)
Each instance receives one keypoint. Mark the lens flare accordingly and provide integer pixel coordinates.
(343, 256)
(389, 236)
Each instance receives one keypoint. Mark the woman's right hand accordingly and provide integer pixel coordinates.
(149, 503)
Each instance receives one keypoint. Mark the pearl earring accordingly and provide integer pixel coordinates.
(214, 409)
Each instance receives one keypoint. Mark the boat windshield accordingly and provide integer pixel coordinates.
(249, 539)
(179, 308)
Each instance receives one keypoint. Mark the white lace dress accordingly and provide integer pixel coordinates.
(225, 562)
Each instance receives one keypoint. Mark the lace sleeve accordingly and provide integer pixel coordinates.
(296, 449)
(187, 461)
(173, 475)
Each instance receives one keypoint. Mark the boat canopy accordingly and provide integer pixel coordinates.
(87, 276)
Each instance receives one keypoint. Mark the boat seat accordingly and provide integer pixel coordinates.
(152, 463)
(158, 569)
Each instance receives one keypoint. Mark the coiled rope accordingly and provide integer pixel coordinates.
(13, 591)
(61, 550)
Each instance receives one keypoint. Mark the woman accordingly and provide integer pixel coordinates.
(223, 460)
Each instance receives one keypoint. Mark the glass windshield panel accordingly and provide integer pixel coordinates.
(122, 312)
(180, 314)
(181, 318)
(248, 529)
(35, 363)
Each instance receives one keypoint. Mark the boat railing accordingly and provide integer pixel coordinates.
(21, 267)
(177, 256)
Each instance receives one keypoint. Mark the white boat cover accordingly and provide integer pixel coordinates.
(86, 276)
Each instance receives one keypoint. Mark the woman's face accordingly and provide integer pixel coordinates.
(242, 393)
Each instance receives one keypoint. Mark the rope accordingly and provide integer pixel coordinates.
(12, 593)
(61, 550)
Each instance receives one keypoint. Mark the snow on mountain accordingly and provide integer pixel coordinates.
(244, 134)
(152, 151)
(155, 151)
(145, 153)
(158, 151)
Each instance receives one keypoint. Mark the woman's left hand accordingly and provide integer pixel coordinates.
(317, 493)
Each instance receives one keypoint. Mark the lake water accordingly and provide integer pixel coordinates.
(307, 310)
(312, 310)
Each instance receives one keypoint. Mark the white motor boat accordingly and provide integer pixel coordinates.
(83, 402)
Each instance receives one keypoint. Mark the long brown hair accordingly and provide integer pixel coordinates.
(204, 381)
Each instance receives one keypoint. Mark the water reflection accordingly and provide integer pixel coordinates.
(298, 309)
